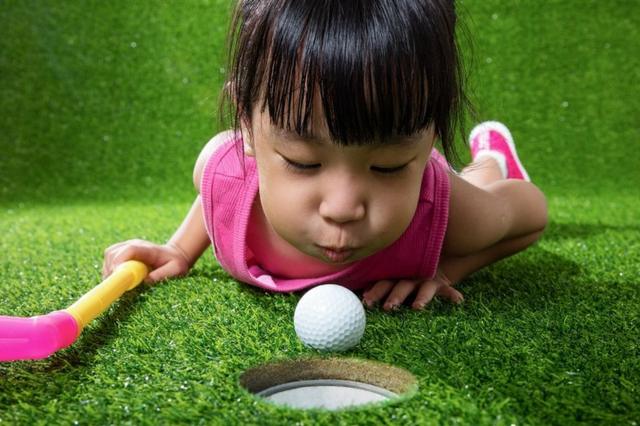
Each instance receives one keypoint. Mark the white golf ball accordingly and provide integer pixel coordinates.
(330, 318)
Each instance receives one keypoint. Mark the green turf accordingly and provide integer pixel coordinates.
(103, 109)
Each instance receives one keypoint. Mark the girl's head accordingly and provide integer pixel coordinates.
(340, 102)
(380, 68)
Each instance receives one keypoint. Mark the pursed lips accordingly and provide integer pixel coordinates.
(337, 254)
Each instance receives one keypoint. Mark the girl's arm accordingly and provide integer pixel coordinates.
(485, 225)
(173, 259)
(191, 238)
(178, 255)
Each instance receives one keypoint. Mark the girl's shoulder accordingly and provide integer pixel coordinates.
(207, 151)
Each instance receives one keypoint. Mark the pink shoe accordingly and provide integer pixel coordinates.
(493, 139)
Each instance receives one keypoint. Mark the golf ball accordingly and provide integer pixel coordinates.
(329, 317)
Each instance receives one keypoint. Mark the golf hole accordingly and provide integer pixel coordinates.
(328, 383)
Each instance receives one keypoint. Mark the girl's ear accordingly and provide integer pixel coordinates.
(247, 139)
(249, 151)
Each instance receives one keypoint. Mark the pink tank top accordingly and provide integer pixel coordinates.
(229, 187)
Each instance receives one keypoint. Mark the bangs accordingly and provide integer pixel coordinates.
(380, 68)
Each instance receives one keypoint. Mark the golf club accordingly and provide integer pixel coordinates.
(28, 338)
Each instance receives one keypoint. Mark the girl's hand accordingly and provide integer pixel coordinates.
(164, 261)
(398, 291)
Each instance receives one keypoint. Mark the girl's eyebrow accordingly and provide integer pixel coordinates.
(400, 141)
(290, 136)
(403, 144)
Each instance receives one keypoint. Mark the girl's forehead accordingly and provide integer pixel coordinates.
(319, 135)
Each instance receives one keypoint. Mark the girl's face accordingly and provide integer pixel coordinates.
(337, 204)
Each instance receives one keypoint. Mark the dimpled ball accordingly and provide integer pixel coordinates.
(329, 318)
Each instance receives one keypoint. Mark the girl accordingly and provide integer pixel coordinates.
(330, 173)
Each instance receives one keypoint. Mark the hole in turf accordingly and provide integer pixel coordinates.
(328, 383)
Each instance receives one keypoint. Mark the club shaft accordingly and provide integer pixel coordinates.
(126, 276)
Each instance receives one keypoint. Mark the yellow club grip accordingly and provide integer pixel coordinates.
(125, 277)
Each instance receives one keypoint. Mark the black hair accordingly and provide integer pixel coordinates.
(382, 68)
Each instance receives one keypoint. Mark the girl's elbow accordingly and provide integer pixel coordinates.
(540, 213)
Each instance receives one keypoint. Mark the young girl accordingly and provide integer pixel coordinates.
(330, 174)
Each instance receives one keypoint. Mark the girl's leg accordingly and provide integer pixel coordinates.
(491, 218)
(487, 209)
(483, 216)
(485, 173)
(481, 172)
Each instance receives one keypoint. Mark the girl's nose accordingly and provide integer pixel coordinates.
(343, 205)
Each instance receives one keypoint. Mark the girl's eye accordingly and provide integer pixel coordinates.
(299, 167)
(388, 170)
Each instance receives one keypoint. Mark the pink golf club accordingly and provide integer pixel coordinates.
(40, 336)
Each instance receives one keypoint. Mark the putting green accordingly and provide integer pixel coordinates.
(103, 110)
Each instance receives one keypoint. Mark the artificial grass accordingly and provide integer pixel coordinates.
(103, 110)
(548, 336)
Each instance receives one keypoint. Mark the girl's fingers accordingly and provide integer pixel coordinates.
(378, 291)
(130, 250)
(145, 253)
(108, 258)
(434, 287)
(164, 261)
(399, 293)
(451, 293)
(170, 269)
(426, 292)
(110, 263)
(109, 250)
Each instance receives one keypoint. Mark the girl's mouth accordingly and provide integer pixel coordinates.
(337, 255)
